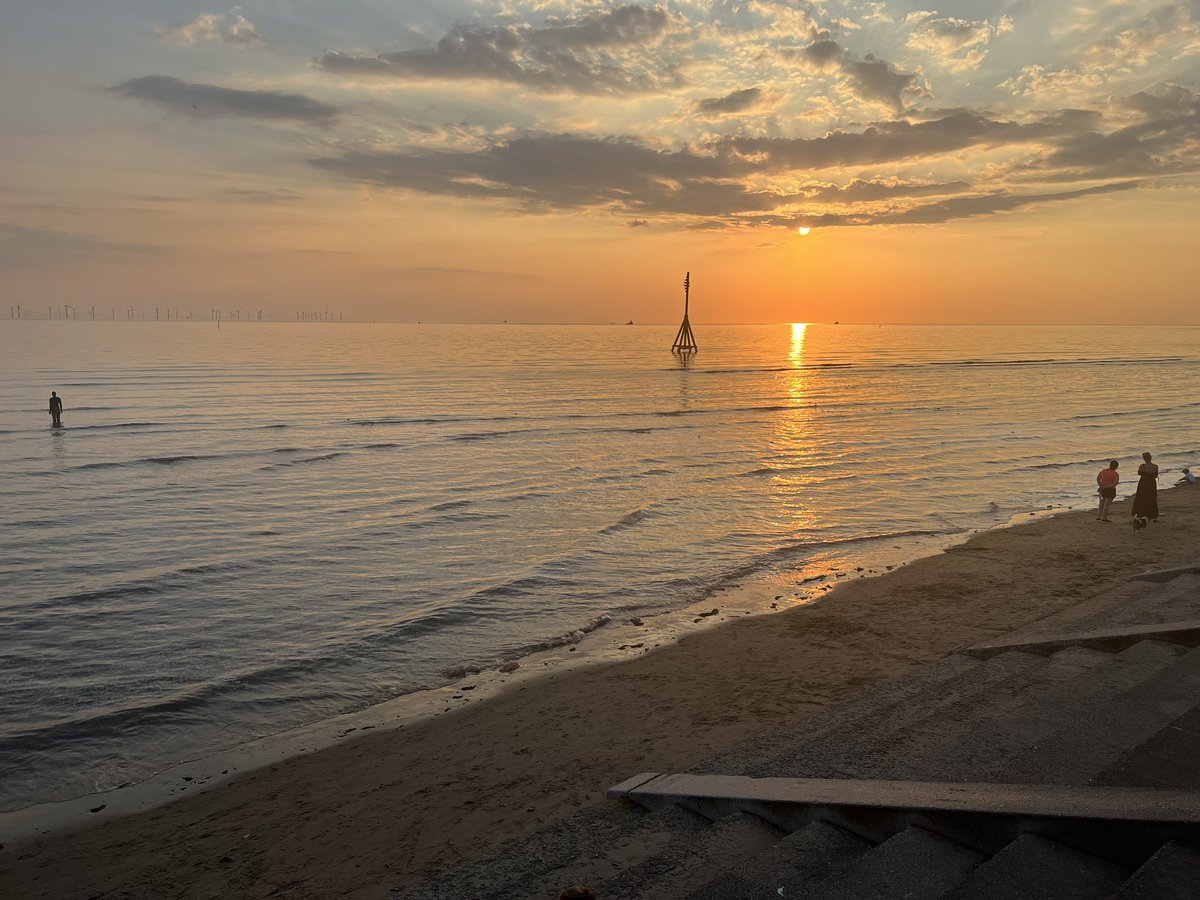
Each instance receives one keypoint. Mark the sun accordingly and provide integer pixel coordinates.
(804, 229)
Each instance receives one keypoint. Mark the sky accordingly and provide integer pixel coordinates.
(542, 161)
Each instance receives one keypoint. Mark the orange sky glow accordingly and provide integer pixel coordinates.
(569, 161)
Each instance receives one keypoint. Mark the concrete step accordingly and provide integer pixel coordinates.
(789, 868)
(1173, 873)
(1036, 868)
(1147, 604)
(1085, 745)
(980, 752)
(831, 754)
(1112, 639)
(1108, 606)
(684, 866)
(1121, 824)
(934, 745)
(914, 864)
(1186, 604)
(1170, 759)
(587, 847)
(909, 688)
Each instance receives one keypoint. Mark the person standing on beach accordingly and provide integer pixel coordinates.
(1145, 501)
(1107, 480)
(56, 409)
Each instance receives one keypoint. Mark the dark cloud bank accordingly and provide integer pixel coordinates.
(1070, 149)
(209, 101)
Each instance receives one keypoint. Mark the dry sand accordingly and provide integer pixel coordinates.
(377, 812)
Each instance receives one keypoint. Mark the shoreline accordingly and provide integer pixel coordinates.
(375, 811)
(618, 640)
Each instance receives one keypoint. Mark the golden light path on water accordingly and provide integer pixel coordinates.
(793, 438)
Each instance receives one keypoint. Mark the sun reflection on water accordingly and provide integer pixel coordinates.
(793, 441)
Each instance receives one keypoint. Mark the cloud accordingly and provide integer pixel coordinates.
(540, 173)
(869, 79)
(600, 52)
(989, 204)
(737, 102)
(227, 28)
(875, 80)
(1132, 50)
(743, 180)
(270, 198)
(561, 172)
(823, 53)
(209, 101)
(638, 223)
(860, 191)
(957, 44)
(888, 142)
(1165, 142)
(31, 247)
(1162, 33)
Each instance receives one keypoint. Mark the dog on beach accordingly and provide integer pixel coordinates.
(1140, 522)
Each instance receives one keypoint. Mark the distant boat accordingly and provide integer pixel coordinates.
(630, 322)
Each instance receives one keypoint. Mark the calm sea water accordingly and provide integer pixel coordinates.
(246, 529)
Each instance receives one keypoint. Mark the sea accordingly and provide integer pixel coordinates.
(244, 529)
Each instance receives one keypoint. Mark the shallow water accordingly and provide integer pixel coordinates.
(246, 529)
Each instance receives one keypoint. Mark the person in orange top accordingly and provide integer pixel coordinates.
(1107, 480)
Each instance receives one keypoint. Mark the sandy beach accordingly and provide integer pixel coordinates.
(378, 811)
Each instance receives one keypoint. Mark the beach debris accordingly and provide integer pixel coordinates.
(468, 687)
(636, 621)
(889, 568)
(96, 809)
(711, 612)
(573, 649)
(774, 606)
(455, 672)
(858, 568)
(509, 667)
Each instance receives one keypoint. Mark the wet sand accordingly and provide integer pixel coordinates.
(375, 812)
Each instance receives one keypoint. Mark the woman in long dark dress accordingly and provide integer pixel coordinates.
(1145, 501)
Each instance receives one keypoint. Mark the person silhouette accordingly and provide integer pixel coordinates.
(1145, 501)
(1107, 481)
(56, 409)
